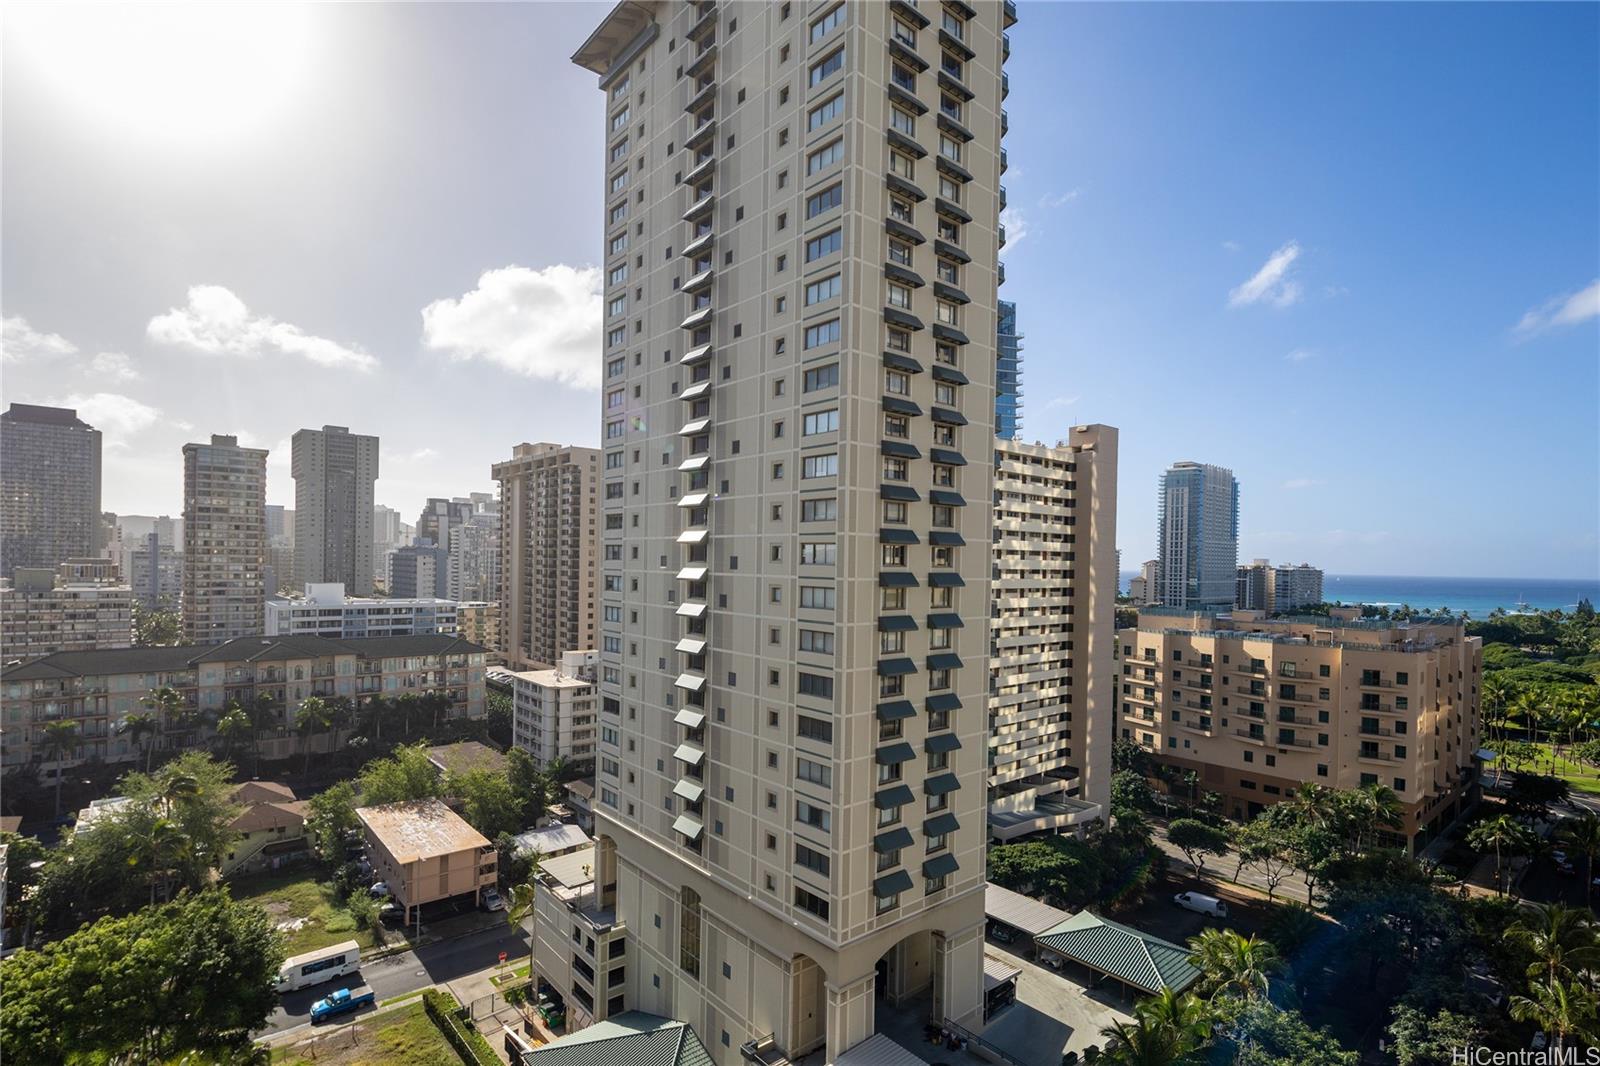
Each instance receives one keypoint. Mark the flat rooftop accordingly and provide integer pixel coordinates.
(420, 829)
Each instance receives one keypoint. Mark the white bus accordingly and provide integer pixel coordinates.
(315, 967)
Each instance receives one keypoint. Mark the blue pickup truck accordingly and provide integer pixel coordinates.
(341, 1002)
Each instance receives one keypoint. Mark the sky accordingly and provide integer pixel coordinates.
(1351, 251)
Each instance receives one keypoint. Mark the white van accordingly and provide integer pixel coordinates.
(1201, 904)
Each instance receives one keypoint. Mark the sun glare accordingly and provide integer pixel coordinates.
(195, 73)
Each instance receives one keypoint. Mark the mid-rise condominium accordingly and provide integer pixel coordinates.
(1260, 586)
(334, 472)
(553, 712)
(801, 250)
(224, 540)
(549, 553)
(1256, 706)
(45, 611)
(325, 611)
(49, 487)
(1198, 536)
(1052, 687)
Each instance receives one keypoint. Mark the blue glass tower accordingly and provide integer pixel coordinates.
(1008, 375)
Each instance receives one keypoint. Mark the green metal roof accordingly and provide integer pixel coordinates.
(1146, 962)
(632, 1038)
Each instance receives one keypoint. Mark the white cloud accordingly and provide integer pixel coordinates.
(541, 324)
(1060, 199)
(113, 366)
(1061, 401)
(1568, 309)
(1300, 355)
(19, 341)
(216, 322)
(423, 453)
(1301, 483)
(116, 416)
(1016, 226)
(1272, 282)
(1230, 246)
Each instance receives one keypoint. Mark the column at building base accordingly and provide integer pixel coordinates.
(851, 1013)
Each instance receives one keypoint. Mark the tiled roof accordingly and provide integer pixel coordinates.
(466, 755)
(107, 661)
(1146, 962)
(632, 1038)
(258, 816)
(419, 829)
(262, 792)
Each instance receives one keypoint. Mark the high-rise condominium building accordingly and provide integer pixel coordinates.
(553, 711)
(49, 487)
(1257, 706)
(479, 622)
(46, 611)
(1260, 586)
(1252, 586)
(549, 553)
(1198, 535)
(1008, 375)
(800, 247)
(1052, 680)
(420, 569)
(468, 529)
(224, 540)
(334, 471)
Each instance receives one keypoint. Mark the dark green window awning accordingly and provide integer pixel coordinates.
(945, 621)
(897, 579)
(941, 742)
(946, 581)
(891, 884)
(895, 710)
(903, 493)
(950, 292)
(896, 623)
(943, 701)
(948, 374)
(950, 210)
(893, 840)
(940, 825)
(895, 405)
(896, 667)
(905, 188)
(950, 333)
(949, 537)
(940, 866)
(947, 457)
(905, 232)
(901, 141)
(946, 250)
(898, 796)
(901, 362)
(901, 318)
(938, 786)
(947, 498)
(904, 275)
(947, 416)
(944, 660)
(900, 450)
(897, 536)
(896, 753)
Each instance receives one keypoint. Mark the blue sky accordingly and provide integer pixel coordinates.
(380, 216)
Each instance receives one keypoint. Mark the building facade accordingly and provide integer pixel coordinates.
(325, 611)
(425, 852)
(1252, 586)
(1260, 586)
(554, 711)
(334, 473)
(549, 553)
(1008, 375)
(224, 540)
(44, 611)
(1198, 535)
(1256, 706)
(98, 689)
(419, 570)
(801, 249)
(479, 622)
(1052, 670)
(49, 487)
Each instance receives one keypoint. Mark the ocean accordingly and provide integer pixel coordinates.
(1478, 596)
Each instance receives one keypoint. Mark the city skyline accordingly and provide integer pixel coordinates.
(1325, 267)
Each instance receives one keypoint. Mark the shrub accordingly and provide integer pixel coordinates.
(468, 1042)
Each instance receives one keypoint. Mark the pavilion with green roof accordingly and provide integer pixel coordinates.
(632, 1038)
(1137, 960)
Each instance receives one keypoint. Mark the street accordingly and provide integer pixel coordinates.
(406, 972)
(1219, 868)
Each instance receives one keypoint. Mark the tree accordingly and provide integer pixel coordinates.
(407, 704)
(526, 780)
(1313, 804)
(152, 628)
(1196, 840)
(313, 716)
(1231, 965)
(58, 741)
(195, 975)
(1143, 1042)
(1583, 833)
(1265, 843)
(1130, 793)
(1183, 1013)
(1503, 835)
(1563, 1008)
(488, 802)
(1270, 1036)
(25, 858)
(1561, 938)
(234, 730)
(404, 775)
(331, 816)
(1126, 755)
(139, 726)
(195, 791)
(1423, 1038)
(1364, 810)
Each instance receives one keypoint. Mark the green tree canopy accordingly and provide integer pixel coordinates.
(488, 802)
(332, 815)
(1423, 1038)
(1196, 840)
(195, 791)
(1267, 1035)
(405, 775)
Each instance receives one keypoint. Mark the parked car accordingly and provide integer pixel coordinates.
(1565, 868)
(379, 889)
(392, 913)
(492, 900)
(1201, 903)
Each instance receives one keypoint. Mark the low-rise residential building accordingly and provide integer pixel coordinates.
(479, 622)
(97, 690)
(425, 852)
(553, 711)
(271, 828)
(465, 755)
(580, 946)
(1255, 706)
(323, 610)
(66, 609)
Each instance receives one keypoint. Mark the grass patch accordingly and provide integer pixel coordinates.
(1580, 777)
(405, 1036)
(518, 974)
(294, 895)
(402, 997)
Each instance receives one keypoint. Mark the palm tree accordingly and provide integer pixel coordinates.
(234, 729)
(1183, 1013)
(1583, 833)
(522, 904)
(1562, 939)
(1502, 833)
(169, 705)
(138, 726)
(376, 707)
(1143, 1043)
(1564, 1008)
(406, 703)
(263, 712)
(314, 716)
(1369, 807)
(1233, 964)
(165, 850)
(59, 740)
(1314, 803)
(1495, 694)
(176, 789)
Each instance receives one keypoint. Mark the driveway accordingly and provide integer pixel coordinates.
(1054, 1013)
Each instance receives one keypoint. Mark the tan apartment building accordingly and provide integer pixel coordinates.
(1256, 706)
(334, 473)
(97, 690)
(1052, 662)
(44, 611)
(801, 248)
(224, 540)
(549, 553)
(425, 852)
(479, 622)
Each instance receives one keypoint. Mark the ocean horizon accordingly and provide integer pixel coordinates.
(1478, 596)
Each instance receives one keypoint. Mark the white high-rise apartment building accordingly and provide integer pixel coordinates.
(800, 248)
(553, 711)
(334, 473)
(1198, 536)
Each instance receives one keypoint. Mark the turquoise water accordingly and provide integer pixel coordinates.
(1476, 595)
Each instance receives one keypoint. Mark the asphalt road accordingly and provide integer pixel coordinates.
(1219, 868)
(405, 972)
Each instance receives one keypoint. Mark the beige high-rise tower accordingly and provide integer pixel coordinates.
(224, 540)
(549, 553)
(334, 473)
(800, 255)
